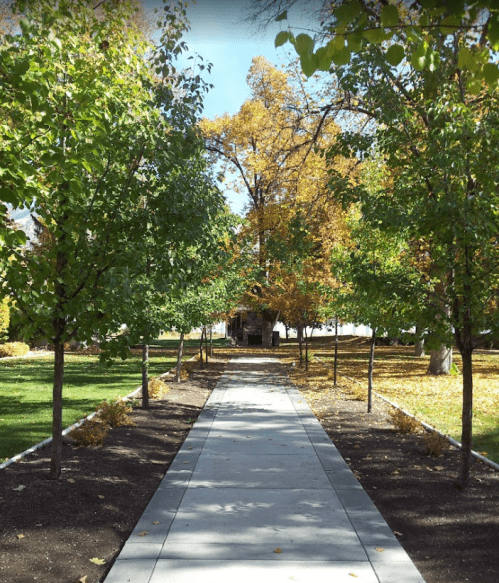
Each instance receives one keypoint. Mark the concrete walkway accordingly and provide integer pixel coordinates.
(259, 493)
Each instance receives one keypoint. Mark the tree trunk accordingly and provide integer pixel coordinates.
(211, 341)
(55, 461)
(145, 376)
(266, 334)
(440, 361)
(419, 346)
(370, 373)
(306, 349)
(335, 352)
(201, 363)
(299, 335)
(467, 416)
(180, 351)
(205, 344)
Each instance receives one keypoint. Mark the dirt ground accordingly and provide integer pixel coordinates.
(451, 535)
(53, 531)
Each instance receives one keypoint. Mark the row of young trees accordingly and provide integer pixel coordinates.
(393, 220)
(99, 140)
(424, 79)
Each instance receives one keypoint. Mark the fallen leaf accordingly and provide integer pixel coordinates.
(81, 579)
(277, 551)
(143, 533)
(20, 536)
(156, 522)
(396, 533)
(379, 549)
(19, 488)
(395, 473)
(96, 561)
(70, 481)
(439, 468)
(353, 575)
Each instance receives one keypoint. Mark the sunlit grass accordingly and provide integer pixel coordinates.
(26, 392)
(401, 377)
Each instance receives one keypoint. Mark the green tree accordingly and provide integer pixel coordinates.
(91, 127)
(434, 128)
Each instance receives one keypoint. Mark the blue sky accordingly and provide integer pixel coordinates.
(221, 36)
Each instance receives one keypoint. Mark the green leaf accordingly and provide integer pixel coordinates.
(87, 166)
(376, 35)
(394, 55)
(7, 195)
(354, 41)
(389, 16)
(342, 57)
(493, 31)
(282, 16)
(281, 38)
(22, 68)
(449, 24)
(304, 44)
(418, 59)
(324, 56)
(491, 73)
(346, 13)
(309, 63)
(427, 3)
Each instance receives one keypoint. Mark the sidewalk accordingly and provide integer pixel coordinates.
(259, 493)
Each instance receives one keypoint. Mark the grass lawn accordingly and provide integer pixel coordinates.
(26, 392)
(437, 400)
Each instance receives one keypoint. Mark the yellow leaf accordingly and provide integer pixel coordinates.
(96, 561)
(277, 551)
(439, 468)
(379, 549)
(143, 533)
(100, 496)
(70, 481)
(19, 536)
(353, 575)
(156, 522)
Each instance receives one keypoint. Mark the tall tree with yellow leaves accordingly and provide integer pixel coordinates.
(272, 147)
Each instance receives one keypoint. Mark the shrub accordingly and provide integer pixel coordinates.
(115, 414)
(13, 349)
(157, 388)
(404, 423)
(435, 444)
(90, 432)
(4, 318)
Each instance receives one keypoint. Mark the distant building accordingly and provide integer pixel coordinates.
(246, 329)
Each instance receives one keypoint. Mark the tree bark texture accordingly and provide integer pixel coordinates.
(201, 362)
(145, 376)
(55, 461)
(335, 352)
(467, 417)
(180, 351)
(370, 373)
(419, 348)
(440, 361)
(299, 334)
(306, 350)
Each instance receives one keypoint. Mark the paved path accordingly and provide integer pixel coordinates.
(259, 493)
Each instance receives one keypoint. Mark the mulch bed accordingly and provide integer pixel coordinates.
(451, 535)
(51, 530)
